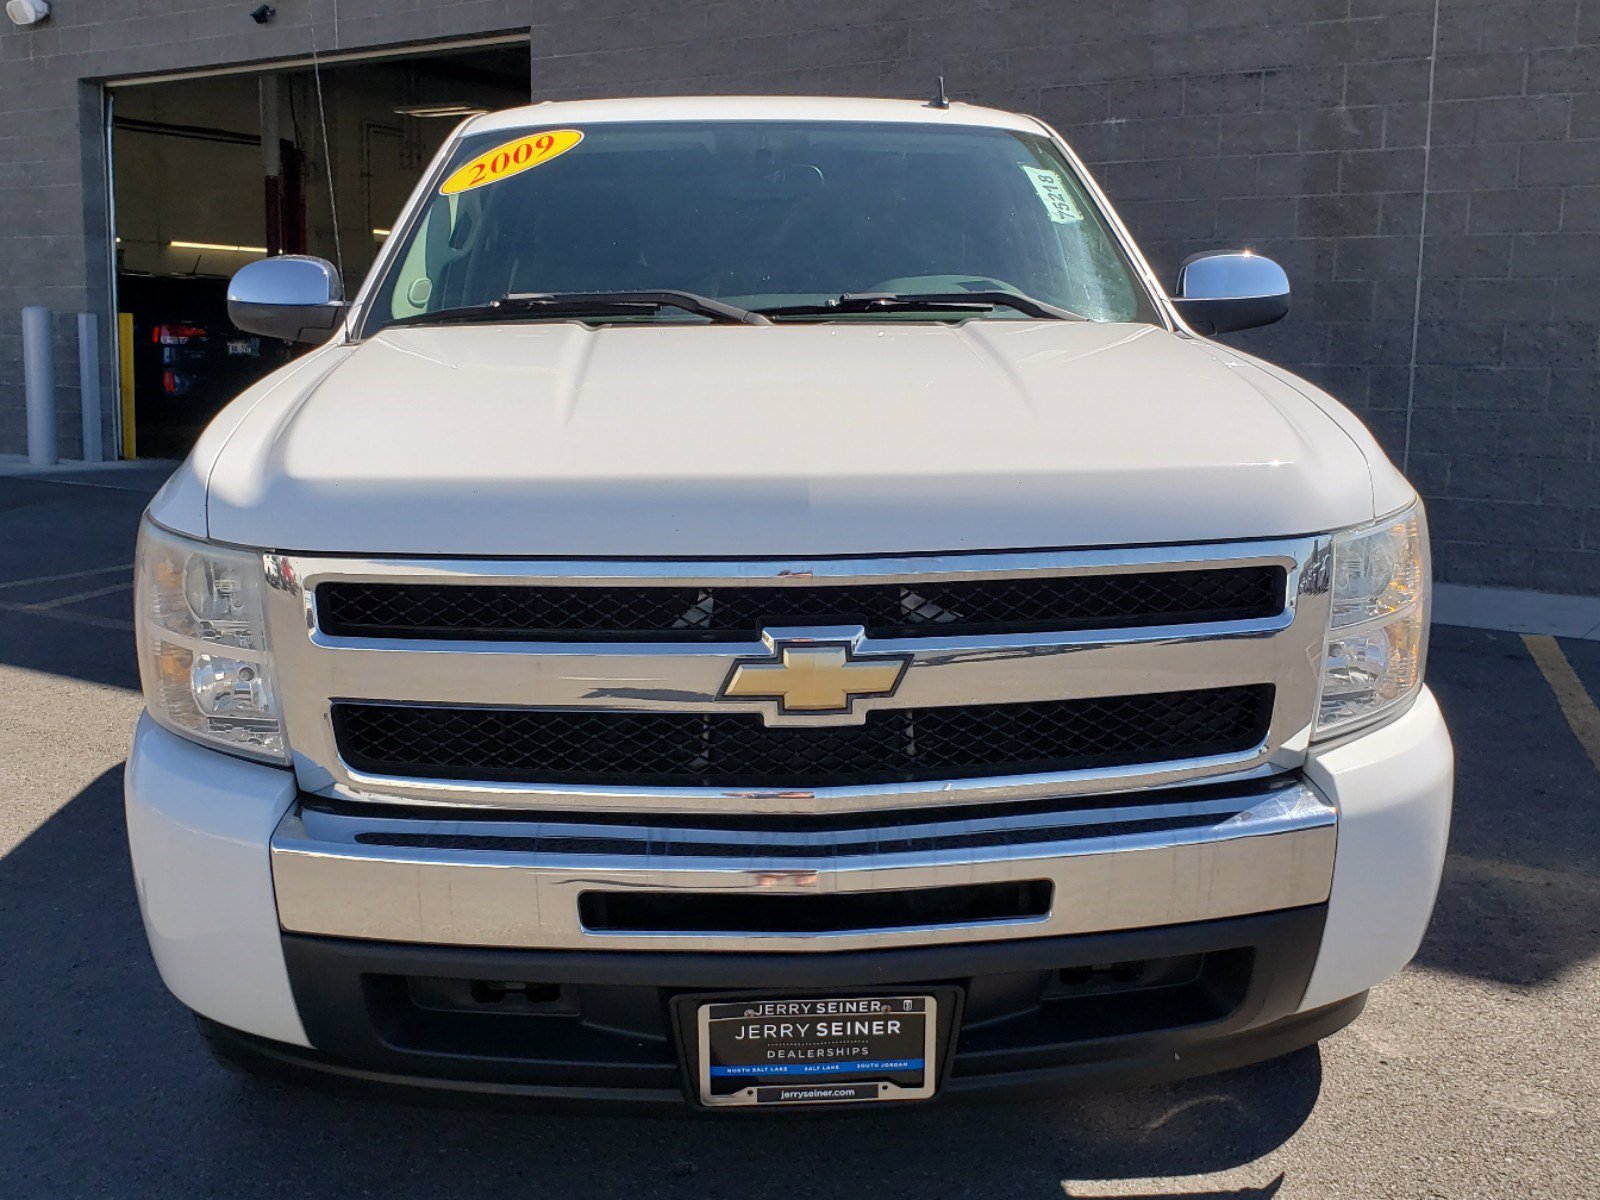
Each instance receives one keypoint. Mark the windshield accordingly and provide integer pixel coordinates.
(762, 215)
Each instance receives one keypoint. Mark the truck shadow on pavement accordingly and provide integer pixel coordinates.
(107, 1090)
(1250, 1193)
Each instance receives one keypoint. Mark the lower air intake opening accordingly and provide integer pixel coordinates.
(839, 912)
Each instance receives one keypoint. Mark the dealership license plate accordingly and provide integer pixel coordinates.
(817, 1050)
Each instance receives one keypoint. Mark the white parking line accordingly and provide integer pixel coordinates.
(16, 583)
(71, 617)
(46, 605)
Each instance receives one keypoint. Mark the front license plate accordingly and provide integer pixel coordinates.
(817, 1051)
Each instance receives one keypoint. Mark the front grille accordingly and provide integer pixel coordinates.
(731, 750)
(671, 613)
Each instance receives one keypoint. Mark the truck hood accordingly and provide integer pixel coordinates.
(556, 439)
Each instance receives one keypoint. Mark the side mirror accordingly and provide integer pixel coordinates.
(294, 297)
(1220, 291)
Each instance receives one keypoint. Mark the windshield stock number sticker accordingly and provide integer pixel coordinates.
(510, 159)
(1053, 195)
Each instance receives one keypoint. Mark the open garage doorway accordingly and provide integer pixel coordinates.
(211, 173)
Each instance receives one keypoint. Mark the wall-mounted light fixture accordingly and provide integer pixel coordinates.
(27, 12)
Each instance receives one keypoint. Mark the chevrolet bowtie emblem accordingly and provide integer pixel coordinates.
(814, 678)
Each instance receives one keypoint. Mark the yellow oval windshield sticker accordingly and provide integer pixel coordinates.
(510, 159)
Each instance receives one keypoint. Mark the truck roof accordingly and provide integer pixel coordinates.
(746, 108)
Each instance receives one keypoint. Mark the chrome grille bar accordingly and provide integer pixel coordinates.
(1283, 649)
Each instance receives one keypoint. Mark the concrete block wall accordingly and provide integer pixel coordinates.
(1427, 170)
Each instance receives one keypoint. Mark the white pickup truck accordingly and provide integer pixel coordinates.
(767, 601)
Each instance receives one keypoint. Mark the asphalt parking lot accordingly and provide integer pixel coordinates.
(1476, 1073)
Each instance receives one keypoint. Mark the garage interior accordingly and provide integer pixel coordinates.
(214, 172)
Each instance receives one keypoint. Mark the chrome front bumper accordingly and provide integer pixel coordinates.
(1188, 855)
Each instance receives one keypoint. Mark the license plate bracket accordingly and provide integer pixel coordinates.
(841, 1047)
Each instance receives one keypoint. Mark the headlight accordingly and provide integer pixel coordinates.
(1378, 624)
(203, 653)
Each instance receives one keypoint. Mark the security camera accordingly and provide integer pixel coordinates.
(27, 12)
(263, 13)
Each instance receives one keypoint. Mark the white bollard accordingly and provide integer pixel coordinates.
(89, 385)
(39, 385)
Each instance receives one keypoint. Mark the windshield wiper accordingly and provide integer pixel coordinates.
(958, 302)
(587, 304)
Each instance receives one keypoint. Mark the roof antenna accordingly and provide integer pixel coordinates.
(940, 100)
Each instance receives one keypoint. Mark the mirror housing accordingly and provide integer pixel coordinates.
(294, 297)
(1221, 291)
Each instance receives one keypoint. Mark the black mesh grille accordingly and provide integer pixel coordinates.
(510, 611)
(737, 750)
